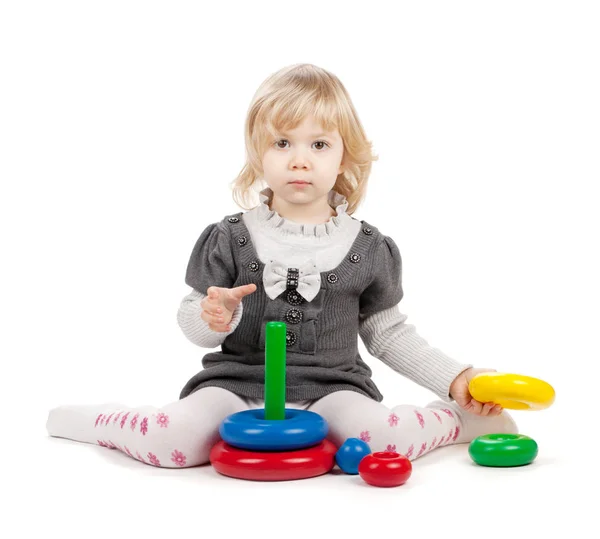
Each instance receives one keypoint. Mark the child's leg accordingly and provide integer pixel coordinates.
(409, 430)
(180, 434)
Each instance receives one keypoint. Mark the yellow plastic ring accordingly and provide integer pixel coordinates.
(512, 391)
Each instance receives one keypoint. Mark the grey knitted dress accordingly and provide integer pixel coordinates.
(322, 335)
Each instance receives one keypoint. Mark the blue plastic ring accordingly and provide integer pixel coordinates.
(250, 430)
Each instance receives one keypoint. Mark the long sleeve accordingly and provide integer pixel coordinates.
(388, 338)
(195, 329)
(211, 263)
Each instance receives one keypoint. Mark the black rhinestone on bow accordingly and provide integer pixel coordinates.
(233, 220)
(294, 316)
(332, 278)
(368, 231)
(355, 258)
(292, 278)
(293, 298)
(242, 240)
(253, 266)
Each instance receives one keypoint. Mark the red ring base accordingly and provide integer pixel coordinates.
(273, 465)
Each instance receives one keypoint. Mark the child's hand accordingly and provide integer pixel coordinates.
(459, 391)
(218, 306)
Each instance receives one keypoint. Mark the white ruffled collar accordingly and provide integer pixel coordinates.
(271, 219)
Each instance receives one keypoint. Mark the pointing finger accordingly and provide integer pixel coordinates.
(243, 290)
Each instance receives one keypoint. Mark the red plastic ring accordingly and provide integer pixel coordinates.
(273, 465)
(385, 469)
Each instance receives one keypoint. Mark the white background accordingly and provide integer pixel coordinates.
(121, 128)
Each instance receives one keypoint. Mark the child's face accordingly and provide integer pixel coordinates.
(305, 153)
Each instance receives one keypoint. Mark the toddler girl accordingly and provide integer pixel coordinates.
(299, 257)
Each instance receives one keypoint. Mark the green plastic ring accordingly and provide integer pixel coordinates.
(503, 450)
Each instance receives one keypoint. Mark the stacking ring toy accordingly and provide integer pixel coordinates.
(503, 450)
(512, 391)
(250, 430)
(385, 469)
(273, 466)
(274, 443)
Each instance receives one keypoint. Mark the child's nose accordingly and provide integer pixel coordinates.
(299, 161)
(299, 157)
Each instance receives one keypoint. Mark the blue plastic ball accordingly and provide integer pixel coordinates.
(349, 455)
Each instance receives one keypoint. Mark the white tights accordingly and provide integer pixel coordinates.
(182, 433)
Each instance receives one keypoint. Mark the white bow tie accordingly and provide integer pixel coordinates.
(275, 279)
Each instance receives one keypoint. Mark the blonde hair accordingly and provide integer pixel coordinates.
(282, 102)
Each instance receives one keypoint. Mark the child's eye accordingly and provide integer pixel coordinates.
(278, 143)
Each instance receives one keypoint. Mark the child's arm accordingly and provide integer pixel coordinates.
(196, 330)
(388, 338)
(386, 335)
(211, 264)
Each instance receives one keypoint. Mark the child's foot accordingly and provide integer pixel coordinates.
(78, 422)
(471, 425)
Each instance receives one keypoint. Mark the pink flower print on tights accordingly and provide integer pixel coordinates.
(410, 451)
(437, 415)
(117, 417)
(448, 412)
(124, 419)
(128, 452)
(178, 458)
(391, 447)
(393, 420)
(140, 457)
(97, 420)
(422, 450)
(162, 420)
(420, 418)
(107, 444)
(144, 426)
(456, 433)
(109, 418)
(433, 442)
(134, 421)
(153, 459)
(365, 436)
